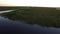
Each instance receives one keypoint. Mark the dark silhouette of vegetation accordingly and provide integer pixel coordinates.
(36, 15)
(2, 8)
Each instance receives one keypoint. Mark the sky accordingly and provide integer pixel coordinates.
(38, 3)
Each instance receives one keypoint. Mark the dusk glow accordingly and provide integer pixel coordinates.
(40, 3)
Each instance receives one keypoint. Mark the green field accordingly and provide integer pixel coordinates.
(36, 15)
(9, 8)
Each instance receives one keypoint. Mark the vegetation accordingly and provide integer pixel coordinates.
(36, 15)
(8, 8)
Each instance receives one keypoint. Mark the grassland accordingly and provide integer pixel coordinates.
(2, 8)
(36, 15)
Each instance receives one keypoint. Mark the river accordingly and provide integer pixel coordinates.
(19, 27)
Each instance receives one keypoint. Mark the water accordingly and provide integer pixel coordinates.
(7, 25)
(20, 27)
(6, 11)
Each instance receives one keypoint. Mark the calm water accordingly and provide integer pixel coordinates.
(20, 27)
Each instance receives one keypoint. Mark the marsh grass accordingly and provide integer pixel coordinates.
(36, 15)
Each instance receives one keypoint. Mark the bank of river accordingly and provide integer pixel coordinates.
(7, 25)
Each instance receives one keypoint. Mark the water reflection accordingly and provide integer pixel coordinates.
(7, 25)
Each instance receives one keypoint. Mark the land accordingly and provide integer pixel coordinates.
(43, 16)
